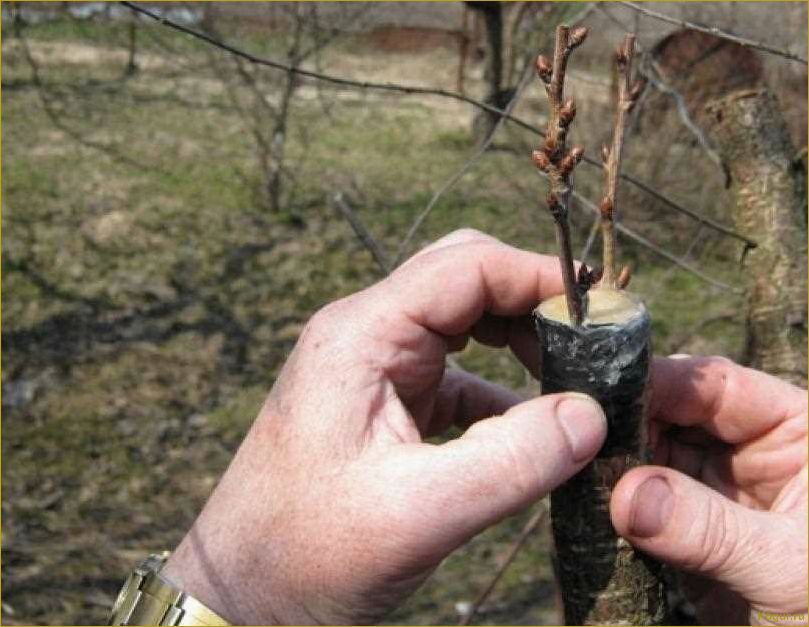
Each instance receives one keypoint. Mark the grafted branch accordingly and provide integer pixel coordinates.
(611, 156)
(556, 161)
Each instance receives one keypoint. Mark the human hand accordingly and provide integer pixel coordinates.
(731, 509)
(334, 508)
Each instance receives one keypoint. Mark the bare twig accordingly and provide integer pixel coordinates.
(677, 261)
(651, 73)
(362, 233)
(556, 161)
(55, 117)
(627, 97)
(517, 544)
(375, 249)
(404, 89)
(704, 220)
(585, 202)
(716, 32)
(336, 80)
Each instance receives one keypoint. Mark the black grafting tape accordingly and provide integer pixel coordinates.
(603, 579)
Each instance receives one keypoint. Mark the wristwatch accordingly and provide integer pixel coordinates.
(148, 599)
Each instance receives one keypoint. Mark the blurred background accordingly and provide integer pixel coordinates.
(172, 214)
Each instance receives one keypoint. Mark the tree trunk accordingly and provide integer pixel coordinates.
(464, 38)
(485, 121)
(769, 191)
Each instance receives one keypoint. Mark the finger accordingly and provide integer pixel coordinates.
(447, 290)
(463, 398)
(503, 464)
(686, 524)
(712, 465)
(733, 403)
(457, 237)
(518, 333)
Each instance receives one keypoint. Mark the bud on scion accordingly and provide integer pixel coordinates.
(544, 69)
(540, 160)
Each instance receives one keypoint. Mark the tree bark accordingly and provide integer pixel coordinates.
(496, 95)
(768, 185)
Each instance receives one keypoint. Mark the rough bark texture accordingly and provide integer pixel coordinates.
(604, 581)
(769, 190)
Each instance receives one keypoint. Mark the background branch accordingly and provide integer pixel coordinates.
(380, 258)
(466, 167)
(410, 90)
(529, 528)
(716, 32)
(650, 72)
(636, 237)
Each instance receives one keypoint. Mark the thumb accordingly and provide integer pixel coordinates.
(505, 463)
(691, 526)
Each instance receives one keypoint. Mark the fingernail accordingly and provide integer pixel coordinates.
(652, 505)
(584, 424)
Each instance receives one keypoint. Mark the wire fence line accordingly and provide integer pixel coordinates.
(648, 244)
(430, 91)
(716, 32)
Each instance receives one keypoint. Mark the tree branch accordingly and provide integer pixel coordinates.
(54, 116)
(336, 80)
(558, 162)
(651, 73)
(362, 233)
(516, 545)
(627, 97)
(404, 89)
(659, 251)
(716, 32)
(522, 83)
(704, 220)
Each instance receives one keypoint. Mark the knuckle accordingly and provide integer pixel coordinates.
(720, 367)
(467, 234)
(464, 235)
(329, 313)
(520, 465)
(717, 540)
(723, 371)
(515, 463)
(327, 324)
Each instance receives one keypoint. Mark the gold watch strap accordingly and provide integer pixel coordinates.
(148, 599)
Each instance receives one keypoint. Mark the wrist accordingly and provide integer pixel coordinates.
(212, 581)
(147, 598)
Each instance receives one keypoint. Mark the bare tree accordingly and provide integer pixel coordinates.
(266, 101)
